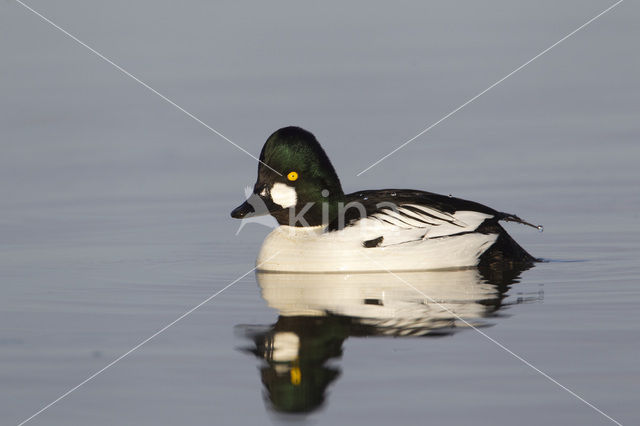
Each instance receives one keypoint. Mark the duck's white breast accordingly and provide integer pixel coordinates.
(310, 249)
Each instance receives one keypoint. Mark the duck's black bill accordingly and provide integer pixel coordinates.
(254, 206)
(243, 210)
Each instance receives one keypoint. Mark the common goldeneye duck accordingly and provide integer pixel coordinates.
(322, 229)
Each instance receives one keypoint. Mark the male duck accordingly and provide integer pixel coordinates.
(324, 230)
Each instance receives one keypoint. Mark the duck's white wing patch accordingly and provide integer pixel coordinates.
(411, 222)
(284, 195)
(465, 221)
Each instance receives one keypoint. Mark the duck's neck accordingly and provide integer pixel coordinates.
(316, 213)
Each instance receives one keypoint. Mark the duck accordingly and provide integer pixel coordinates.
(322, 230)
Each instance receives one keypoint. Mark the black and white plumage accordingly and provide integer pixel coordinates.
(397, 230)
(410, 215)
(373, 230)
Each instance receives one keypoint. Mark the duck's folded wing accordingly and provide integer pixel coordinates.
(403, 223)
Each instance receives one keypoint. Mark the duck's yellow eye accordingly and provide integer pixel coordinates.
(296, 376)
(292, 176)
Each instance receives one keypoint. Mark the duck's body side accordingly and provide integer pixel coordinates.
(302, 249)
(395, 230)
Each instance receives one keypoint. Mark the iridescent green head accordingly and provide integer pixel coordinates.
(295, 180)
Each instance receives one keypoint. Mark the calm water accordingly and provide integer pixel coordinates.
(115, 212)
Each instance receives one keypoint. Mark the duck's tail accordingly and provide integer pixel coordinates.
(507, 217)
(505, 252)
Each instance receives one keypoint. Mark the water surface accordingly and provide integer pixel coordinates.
(115, 209)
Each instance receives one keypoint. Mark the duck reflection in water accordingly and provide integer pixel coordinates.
(317, 312)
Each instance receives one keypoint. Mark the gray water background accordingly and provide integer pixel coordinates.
(114, 206)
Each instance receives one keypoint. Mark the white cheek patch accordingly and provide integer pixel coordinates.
(284, 195)
(286, 346)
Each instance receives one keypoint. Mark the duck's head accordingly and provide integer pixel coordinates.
(295, 180)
